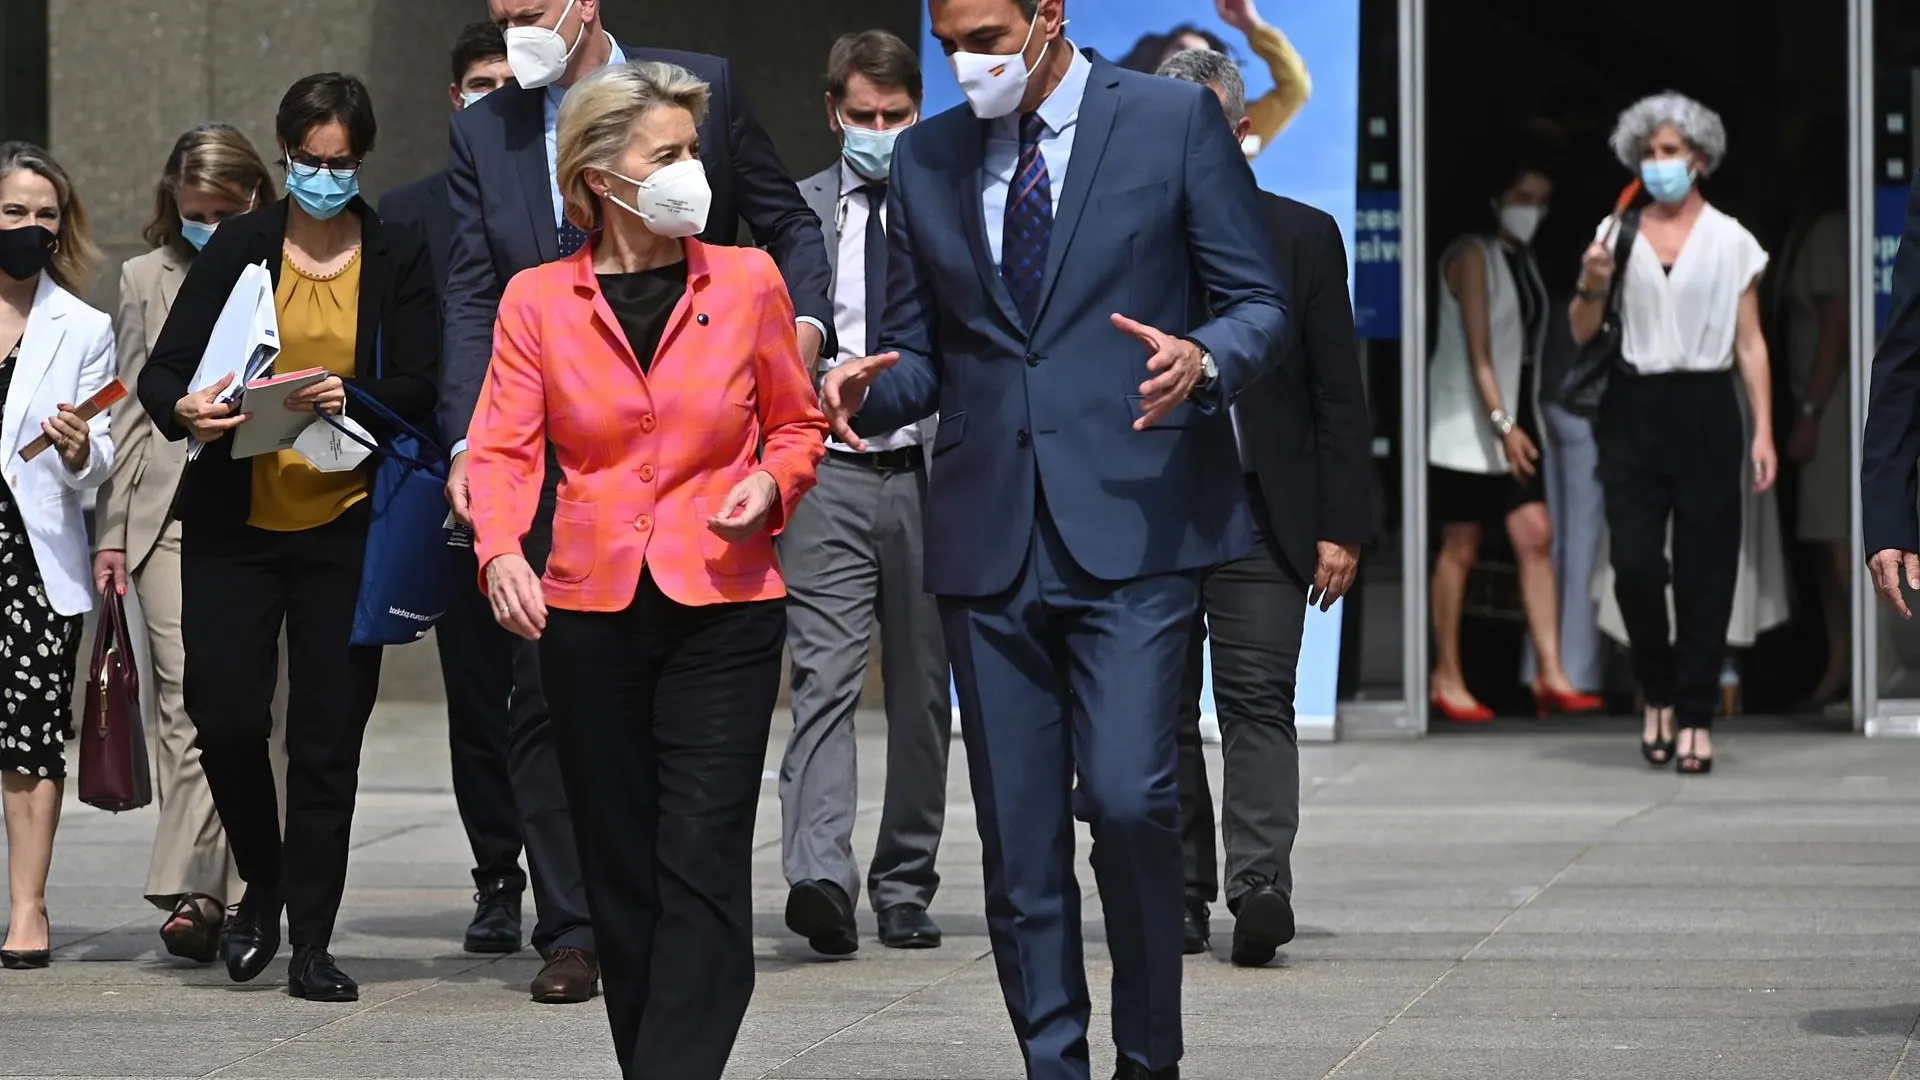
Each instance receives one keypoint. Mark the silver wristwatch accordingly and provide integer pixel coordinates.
(1209, 370)
(1502, 422)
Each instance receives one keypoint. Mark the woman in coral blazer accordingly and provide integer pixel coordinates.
(663, 375)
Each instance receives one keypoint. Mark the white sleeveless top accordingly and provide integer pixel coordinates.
(1459, 435)
(1685, 321)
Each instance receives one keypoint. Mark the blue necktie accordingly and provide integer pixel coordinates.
(1029, 222)
(876, 196)
(572, 237)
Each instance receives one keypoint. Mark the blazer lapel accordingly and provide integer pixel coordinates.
(969, 183)
(171, 275)
(527, 144)
(375, 268)
(1092, 129)
(38, 346)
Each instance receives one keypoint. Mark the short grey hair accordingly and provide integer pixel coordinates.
(1699, 125)
(596, 123)
(1210, 69)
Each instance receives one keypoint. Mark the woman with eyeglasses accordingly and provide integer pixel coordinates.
(213, 174)
(272, 540)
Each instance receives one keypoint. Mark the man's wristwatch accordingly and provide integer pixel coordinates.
(1502, 423)
(1209, 371)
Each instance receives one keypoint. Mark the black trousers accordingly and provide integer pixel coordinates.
(238, 586)
(1671, 448)
(476, 664)
(1255, 609)
(661, 714)
(539, 794)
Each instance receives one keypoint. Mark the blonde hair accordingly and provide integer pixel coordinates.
(74, 256)
(211, 157)
(596, 124)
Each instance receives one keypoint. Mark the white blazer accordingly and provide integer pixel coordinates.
(65, 357)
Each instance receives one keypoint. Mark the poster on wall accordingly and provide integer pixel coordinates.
(1301, 63)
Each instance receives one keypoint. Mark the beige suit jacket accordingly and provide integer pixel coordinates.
(134, 502)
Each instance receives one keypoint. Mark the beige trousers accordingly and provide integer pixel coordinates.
(189, 849)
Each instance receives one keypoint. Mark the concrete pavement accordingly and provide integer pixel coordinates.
(1524, 902)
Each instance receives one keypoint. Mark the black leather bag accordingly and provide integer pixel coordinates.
(1586, 381)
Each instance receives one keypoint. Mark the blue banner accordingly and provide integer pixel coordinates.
(1889, 222)
(1376, 264)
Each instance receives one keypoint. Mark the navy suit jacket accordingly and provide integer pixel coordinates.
(422, 204)
(1158, 219)
(501, 197)
(1890, 445)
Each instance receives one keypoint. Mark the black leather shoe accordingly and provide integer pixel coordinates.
(1193, 929)
(908, 926)
(313, 976)
(1263, 922)
(496, 919)
(1133, 1070)
(253, 934)
(821, 912)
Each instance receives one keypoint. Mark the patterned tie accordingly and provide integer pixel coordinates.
(572, 238)
(1029, 222)
(876, 195)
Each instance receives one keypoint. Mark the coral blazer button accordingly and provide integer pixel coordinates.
(646, 474)
(642, 523)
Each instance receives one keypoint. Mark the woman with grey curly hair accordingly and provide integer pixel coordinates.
(1673, 441)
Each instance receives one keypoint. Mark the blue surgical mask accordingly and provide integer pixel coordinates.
(197, 233)
(869, 152)
(1669, 180)
(319, 192)
(471, 98)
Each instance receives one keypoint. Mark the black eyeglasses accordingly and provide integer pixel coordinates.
(339, 168)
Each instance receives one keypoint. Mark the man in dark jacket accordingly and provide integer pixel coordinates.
(1302, 432)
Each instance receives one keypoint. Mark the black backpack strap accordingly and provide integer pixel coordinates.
(1622, 250)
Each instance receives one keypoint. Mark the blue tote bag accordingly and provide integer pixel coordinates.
(407, 579)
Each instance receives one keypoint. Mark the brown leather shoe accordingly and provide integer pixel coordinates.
(572, 976)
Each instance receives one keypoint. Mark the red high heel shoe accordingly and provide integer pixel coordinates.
(1550, 701)
(1478, 714)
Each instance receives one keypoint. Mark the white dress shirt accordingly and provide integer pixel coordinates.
(1060, 112)
(850, 295)
(1686, 320)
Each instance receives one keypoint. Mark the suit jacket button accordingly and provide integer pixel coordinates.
(647, 422)
(1033, 359)
(646, 474)
(1022, 438)
(642, 523)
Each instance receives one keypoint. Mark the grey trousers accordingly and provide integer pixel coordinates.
(1578, 508)
(851, 554)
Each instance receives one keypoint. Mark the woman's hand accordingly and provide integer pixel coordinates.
(1523, 458)
(206, 418)
(110, 572)
(70, 437)
(519, 604)
(1766, 466)
(745, 511)
(329, 393)
(1596, 267)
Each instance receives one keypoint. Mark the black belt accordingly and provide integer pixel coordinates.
(905, 459)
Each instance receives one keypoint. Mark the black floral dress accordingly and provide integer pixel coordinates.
(38, 647)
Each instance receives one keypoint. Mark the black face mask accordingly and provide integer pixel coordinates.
(26, 251)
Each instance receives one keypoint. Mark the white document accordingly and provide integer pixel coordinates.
(244, 342)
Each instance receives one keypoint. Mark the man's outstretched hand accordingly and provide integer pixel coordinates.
(1175, 367)
(844, 390)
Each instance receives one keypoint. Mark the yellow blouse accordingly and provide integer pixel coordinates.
(319, 326)
(1292, 85)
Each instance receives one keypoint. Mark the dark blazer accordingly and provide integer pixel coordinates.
(501, 196)
(397, 311)
(1890, 445)
(422, 204)
(1153, 222)
(1304, 423)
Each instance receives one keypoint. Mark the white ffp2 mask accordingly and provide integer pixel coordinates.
(672, 202)
(995, 84)
(537, 55)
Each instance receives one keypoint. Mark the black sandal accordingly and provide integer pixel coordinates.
(1664, 748)
(1695, 765)
(200, 940)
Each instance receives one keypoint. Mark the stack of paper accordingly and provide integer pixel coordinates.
(244, 342)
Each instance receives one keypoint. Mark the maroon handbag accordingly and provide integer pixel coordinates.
(114, 774)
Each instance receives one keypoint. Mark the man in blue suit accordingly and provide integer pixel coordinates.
(506, 218)
(1054, 252)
